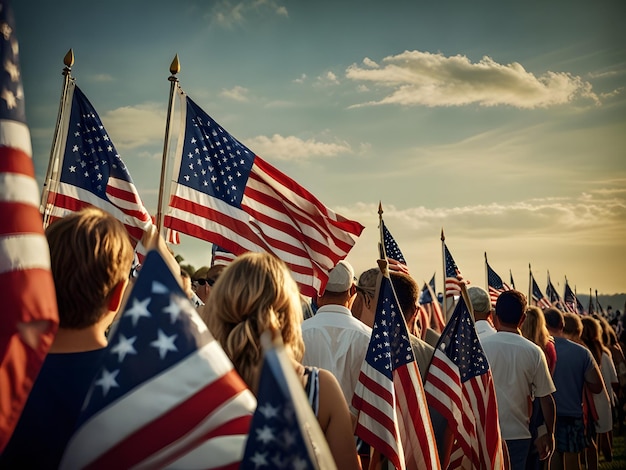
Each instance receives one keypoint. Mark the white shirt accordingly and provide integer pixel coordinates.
(520, 373)
(484, 329)
(336, 341)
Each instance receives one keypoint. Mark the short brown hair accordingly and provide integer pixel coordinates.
(510, 307)
(90, 253)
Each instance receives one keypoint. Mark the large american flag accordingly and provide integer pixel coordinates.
(536, 295)
(91, 172)
(454, 279)
(459, 387)
(285, 432)
(225, 194)
(392, 250)
(389, 397)
(166, 393)
(495, 283)
(26, 285)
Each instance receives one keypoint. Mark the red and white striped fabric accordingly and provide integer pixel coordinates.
(393, 414)
(29, 316)
(225, 194)
(459, 387)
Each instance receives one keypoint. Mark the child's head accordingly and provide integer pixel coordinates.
(90, 254)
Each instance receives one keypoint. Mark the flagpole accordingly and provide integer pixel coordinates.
(381, 243)
(530, 286)
(174, 69)
(68, 61)
(444, 301)
(486, 273)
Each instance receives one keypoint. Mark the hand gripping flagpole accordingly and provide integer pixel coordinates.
(68, 61)
(174, 69)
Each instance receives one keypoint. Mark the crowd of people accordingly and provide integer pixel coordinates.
(560, 379)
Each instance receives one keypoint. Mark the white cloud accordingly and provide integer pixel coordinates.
(131, 127)
(300, 79)
(424, 79)
(228, 14)
(543, 232)
(237, 93)
(101, 77)
(329, 78)
(278, 147)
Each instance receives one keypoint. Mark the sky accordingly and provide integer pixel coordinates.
(501, 123)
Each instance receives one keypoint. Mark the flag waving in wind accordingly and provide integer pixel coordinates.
(166, 393)
(90, 171)
(553, 295)
(389, 397)
(225, 194)
(392, 250)
(29, 318)
(459, 387)
(495, 283)
(536, 295)
(454, 279)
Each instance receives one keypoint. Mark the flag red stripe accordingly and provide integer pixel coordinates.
(19, 218)
(72, 204)
(321, 219)
(14, 160)
(375, 441)
(172, 425)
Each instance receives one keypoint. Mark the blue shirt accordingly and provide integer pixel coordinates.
(48, 419)
(573, 362)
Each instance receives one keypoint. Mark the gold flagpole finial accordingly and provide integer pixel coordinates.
(68, 60)
(175, 65)
(443, 238)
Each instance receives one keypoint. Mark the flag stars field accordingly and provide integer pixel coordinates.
(123, 347)
(164, 343)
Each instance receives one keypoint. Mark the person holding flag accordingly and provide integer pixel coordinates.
(257, 293)
(91, 257)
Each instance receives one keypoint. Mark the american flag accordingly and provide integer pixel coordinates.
(392, 250)
(166, 393)
(536, 295)
(389, 397)
(91, 171)
(459, 386)
(554, 297)
(571, 301)
(285, 432)
(429, 304)
(27, 288)
(225, 194)
(221, 256)
(495, 284)
(454, 279)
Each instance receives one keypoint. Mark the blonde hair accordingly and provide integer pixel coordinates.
(534, 327)
(90, 253)
(255, 293)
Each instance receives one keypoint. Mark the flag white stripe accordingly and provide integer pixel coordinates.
(15, 187)
(16, 135)
(219, 451)
(24, 251)
(304, 208)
